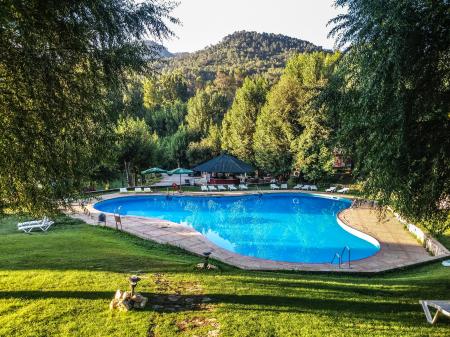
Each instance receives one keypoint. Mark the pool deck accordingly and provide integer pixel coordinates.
(399, 248)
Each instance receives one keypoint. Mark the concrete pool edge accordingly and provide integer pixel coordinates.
(167, 232)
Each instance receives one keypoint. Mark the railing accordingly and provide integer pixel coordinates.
(340, 257)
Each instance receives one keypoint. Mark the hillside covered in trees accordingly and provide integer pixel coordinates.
(242, 52)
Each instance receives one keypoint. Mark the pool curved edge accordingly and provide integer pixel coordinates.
(358, 233)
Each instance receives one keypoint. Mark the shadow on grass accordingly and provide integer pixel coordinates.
(266, 302)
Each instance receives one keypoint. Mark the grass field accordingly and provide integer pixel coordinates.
(60, 283)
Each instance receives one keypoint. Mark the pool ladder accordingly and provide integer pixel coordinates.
(340, 257)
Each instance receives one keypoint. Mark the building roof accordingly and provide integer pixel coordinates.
(224, 164)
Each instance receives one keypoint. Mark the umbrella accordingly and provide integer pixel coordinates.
(153, 170)
(180, 171)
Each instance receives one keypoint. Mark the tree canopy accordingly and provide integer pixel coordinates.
(391, 95)
(61, 62)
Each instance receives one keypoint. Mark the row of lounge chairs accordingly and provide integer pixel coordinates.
(276, 187)
(212, 188)
(305, 187)
(136, 190)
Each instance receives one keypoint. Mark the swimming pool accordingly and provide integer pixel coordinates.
(289, 227)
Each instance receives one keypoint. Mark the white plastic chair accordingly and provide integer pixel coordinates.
(243, 187)
(147, 189)
(274, 187)
(28, 226)
(204, 188)
(123, 190)
(137, 189)
(284, 186)
(343, 190)
(331, 189)
(232, 188)
(221, 188)
(312, 187)
(212, 188)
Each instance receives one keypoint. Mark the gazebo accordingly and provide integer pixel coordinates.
(225, 164)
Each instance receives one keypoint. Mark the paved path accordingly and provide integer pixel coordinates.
(398, 247)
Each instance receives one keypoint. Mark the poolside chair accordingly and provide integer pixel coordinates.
(274, 187)
(137, 189)
(204, 188)
(147, 189)
(305, 187)
(243, 187)
(28, 226)
(221, 188)
(232, 188)
(343, 190)
(123, 190)
(331, 189)
(284, 186)
(298, 187)
(313, 188)
(442, 309)
(212, 188)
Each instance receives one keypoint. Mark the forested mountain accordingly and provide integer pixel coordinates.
(243, 52)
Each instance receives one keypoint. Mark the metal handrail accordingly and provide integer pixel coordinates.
(340, 256)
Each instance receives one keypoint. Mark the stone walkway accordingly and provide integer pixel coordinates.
(398, 247)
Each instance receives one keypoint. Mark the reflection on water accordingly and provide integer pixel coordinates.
(281, 227)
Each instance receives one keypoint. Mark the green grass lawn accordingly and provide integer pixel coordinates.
(60, 283)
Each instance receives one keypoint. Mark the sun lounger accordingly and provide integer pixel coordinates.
(312, 187)
(28, 226)
(243, 187)
(442, 309)
(232, 188)
(274, 187)
(123, 190)
(298, 187)
(204, 188)
(221, 188)
(331, 189)
(305, 187)
(212, 188)
(137, 189)
(284, 186)
(147, 189)
(343, 190)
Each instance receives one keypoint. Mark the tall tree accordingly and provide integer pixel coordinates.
(238, 125)
(59, 63)
(392, 97)
(165, 89)
(206, 108)
(136, 146)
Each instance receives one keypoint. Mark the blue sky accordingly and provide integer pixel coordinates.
(206, 22)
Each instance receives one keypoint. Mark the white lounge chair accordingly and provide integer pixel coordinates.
(442, 309)
(305, 187)
(28, 226)
(204, 188)
(137, 189)
(284, 186)
(232, 188)
(123, 190)
(243, 187)
(343, 190)
(331, 189)
(298, 187)
(312, 187)
(212, 188)
(147, 189)
(221, 188)
(274, 187)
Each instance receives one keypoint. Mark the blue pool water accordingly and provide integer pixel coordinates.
(281, 227)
